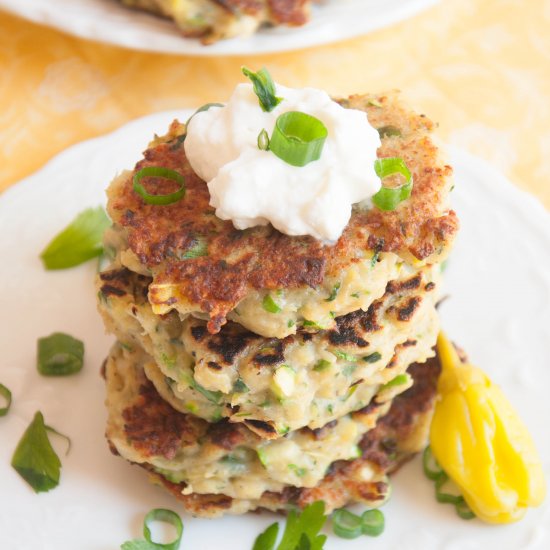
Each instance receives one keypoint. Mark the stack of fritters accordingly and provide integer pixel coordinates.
(254, 369)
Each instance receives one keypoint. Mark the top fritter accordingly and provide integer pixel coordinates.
(267, 281)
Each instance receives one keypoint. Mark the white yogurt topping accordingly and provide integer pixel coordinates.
(254, 187)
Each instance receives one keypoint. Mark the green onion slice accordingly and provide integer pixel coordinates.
(79, 242)
(443, 497)
(6, 394)
(269, 304)
(205, 107)
(34, 458)
(263, 140)
(432, 470)
(388, 198)
(264, 88)
(372, 357)
(298, 138)
(159, 172)
(165, 516)
(346, 524)
(397, 381)
(59, 355)
(389, 131)
(464, 511)
(334, 292)
(372, 523)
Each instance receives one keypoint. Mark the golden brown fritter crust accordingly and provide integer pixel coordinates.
(397, 436)
(262, 258)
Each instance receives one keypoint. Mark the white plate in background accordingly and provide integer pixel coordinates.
(110, 22)
(498, 280)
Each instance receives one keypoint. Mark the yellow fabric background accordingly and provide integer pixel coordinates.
(481, 68)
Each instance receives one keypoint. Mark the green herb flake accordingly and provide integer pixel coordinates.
(59, 355)
(355, 295)
(34, 458)
(290, 323)
(79, 242)
(372, 357)
(240, 387)
(196, 250)
(397, 381)
(312, 324)
(374, 103)
(270, 305)
(389, 131)
(334, 292)
(345, 356)
(161, 515)
(374, 258)
(6, 394)
(300, 472)
(301, 531)
(264, 88)
(322, 365)
(212, 396)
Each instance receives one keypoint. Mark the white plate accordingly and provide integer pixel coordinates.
(110, 22)
(499, 310)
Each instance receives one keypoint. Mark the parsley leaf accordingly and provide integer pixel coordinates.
(301, 531)
(79, 242)
(34, 458)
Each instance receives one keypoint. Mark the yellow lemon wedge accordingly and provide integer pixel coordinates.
(480, 442)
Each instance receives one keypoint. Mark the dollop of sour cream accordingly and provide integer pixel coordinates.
(251, 187)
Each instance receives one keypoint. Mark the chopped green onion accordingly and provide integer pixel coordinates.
(263, 140)
(165, 516)
(34, 458)
(374, 258)
(6, 394)
(372, 357)
(345, 356)
(322, 365)
(299, 471)
(264, 88)
(290, 323)
(212, 396)
(312, 324)
(298, 138)
(397, 381)
(334, 292)
(240, 387)
(432, 470)
(159, 172)
(59, 355)
(205, 107)
(79, 242)
(374, 103)
(270, 305)
(346, 525)
(198, 249)
(389, 131)
(372, 523)
(388, 198)
(464, 511)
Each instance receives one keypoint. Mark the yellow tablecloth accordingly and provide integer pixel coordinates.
(481, 68)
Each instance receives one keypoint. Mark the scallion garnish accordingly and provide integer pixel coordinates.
(34, 458)
(334, 292)
(298, 138)
(389, 131)
(397, 381)
(322, 365)
(433, 471)
(345, 356)
(205, 107)
(79, 242)
(264, 88)
(346, 525)
(6, 394)
(59, 355)
(269, 304)
(372, 357)
(372, 522)
(388, 198)
(263, 140)
(165, 516)
(159, 172)
(197, 250)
